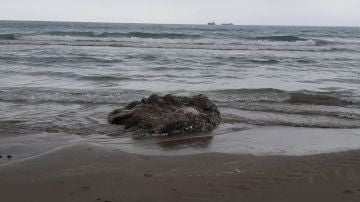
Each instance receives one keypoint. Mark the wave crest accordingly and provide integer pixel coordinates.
(282, 96)
(316, 42)
(280, 38)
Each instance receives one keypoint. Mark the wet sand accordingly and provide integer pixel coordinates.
(85, 172)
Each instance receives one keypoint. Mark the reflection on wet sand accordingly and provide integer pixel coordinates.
(257, 141)
(192, 141)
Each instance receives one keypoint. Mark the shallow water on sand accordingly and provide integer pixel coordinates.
(228, 138)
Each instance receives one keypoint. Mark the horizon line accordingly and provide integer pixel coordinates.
(205, 24)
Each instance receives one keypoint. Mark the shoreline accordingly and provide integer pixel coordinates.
(85, 172)
(227, 139)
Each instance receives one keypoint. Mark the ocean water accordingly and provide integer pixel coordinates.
(59, 77)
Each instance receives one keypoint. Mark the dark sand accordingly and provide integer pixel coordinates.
(89, 173)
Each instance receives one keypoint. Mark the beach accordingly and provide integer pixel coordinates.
(288, 98)
(89, 173)
(250, 165)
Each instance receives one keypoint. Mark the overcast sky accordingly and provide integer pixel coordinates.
(254, 12)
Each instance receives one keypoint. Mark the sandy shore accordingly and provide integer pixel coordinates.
(85, 172)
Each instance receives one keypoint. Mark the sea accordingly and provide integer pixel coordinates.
(61, 79)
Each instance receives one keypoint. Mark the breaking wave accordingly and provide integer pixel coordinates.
(292, 39)
(269, 107)
(265, 95)
(282, 96)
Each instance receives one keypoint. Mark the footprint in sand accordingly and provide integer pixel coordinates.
(348, 192)
(148, 175)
